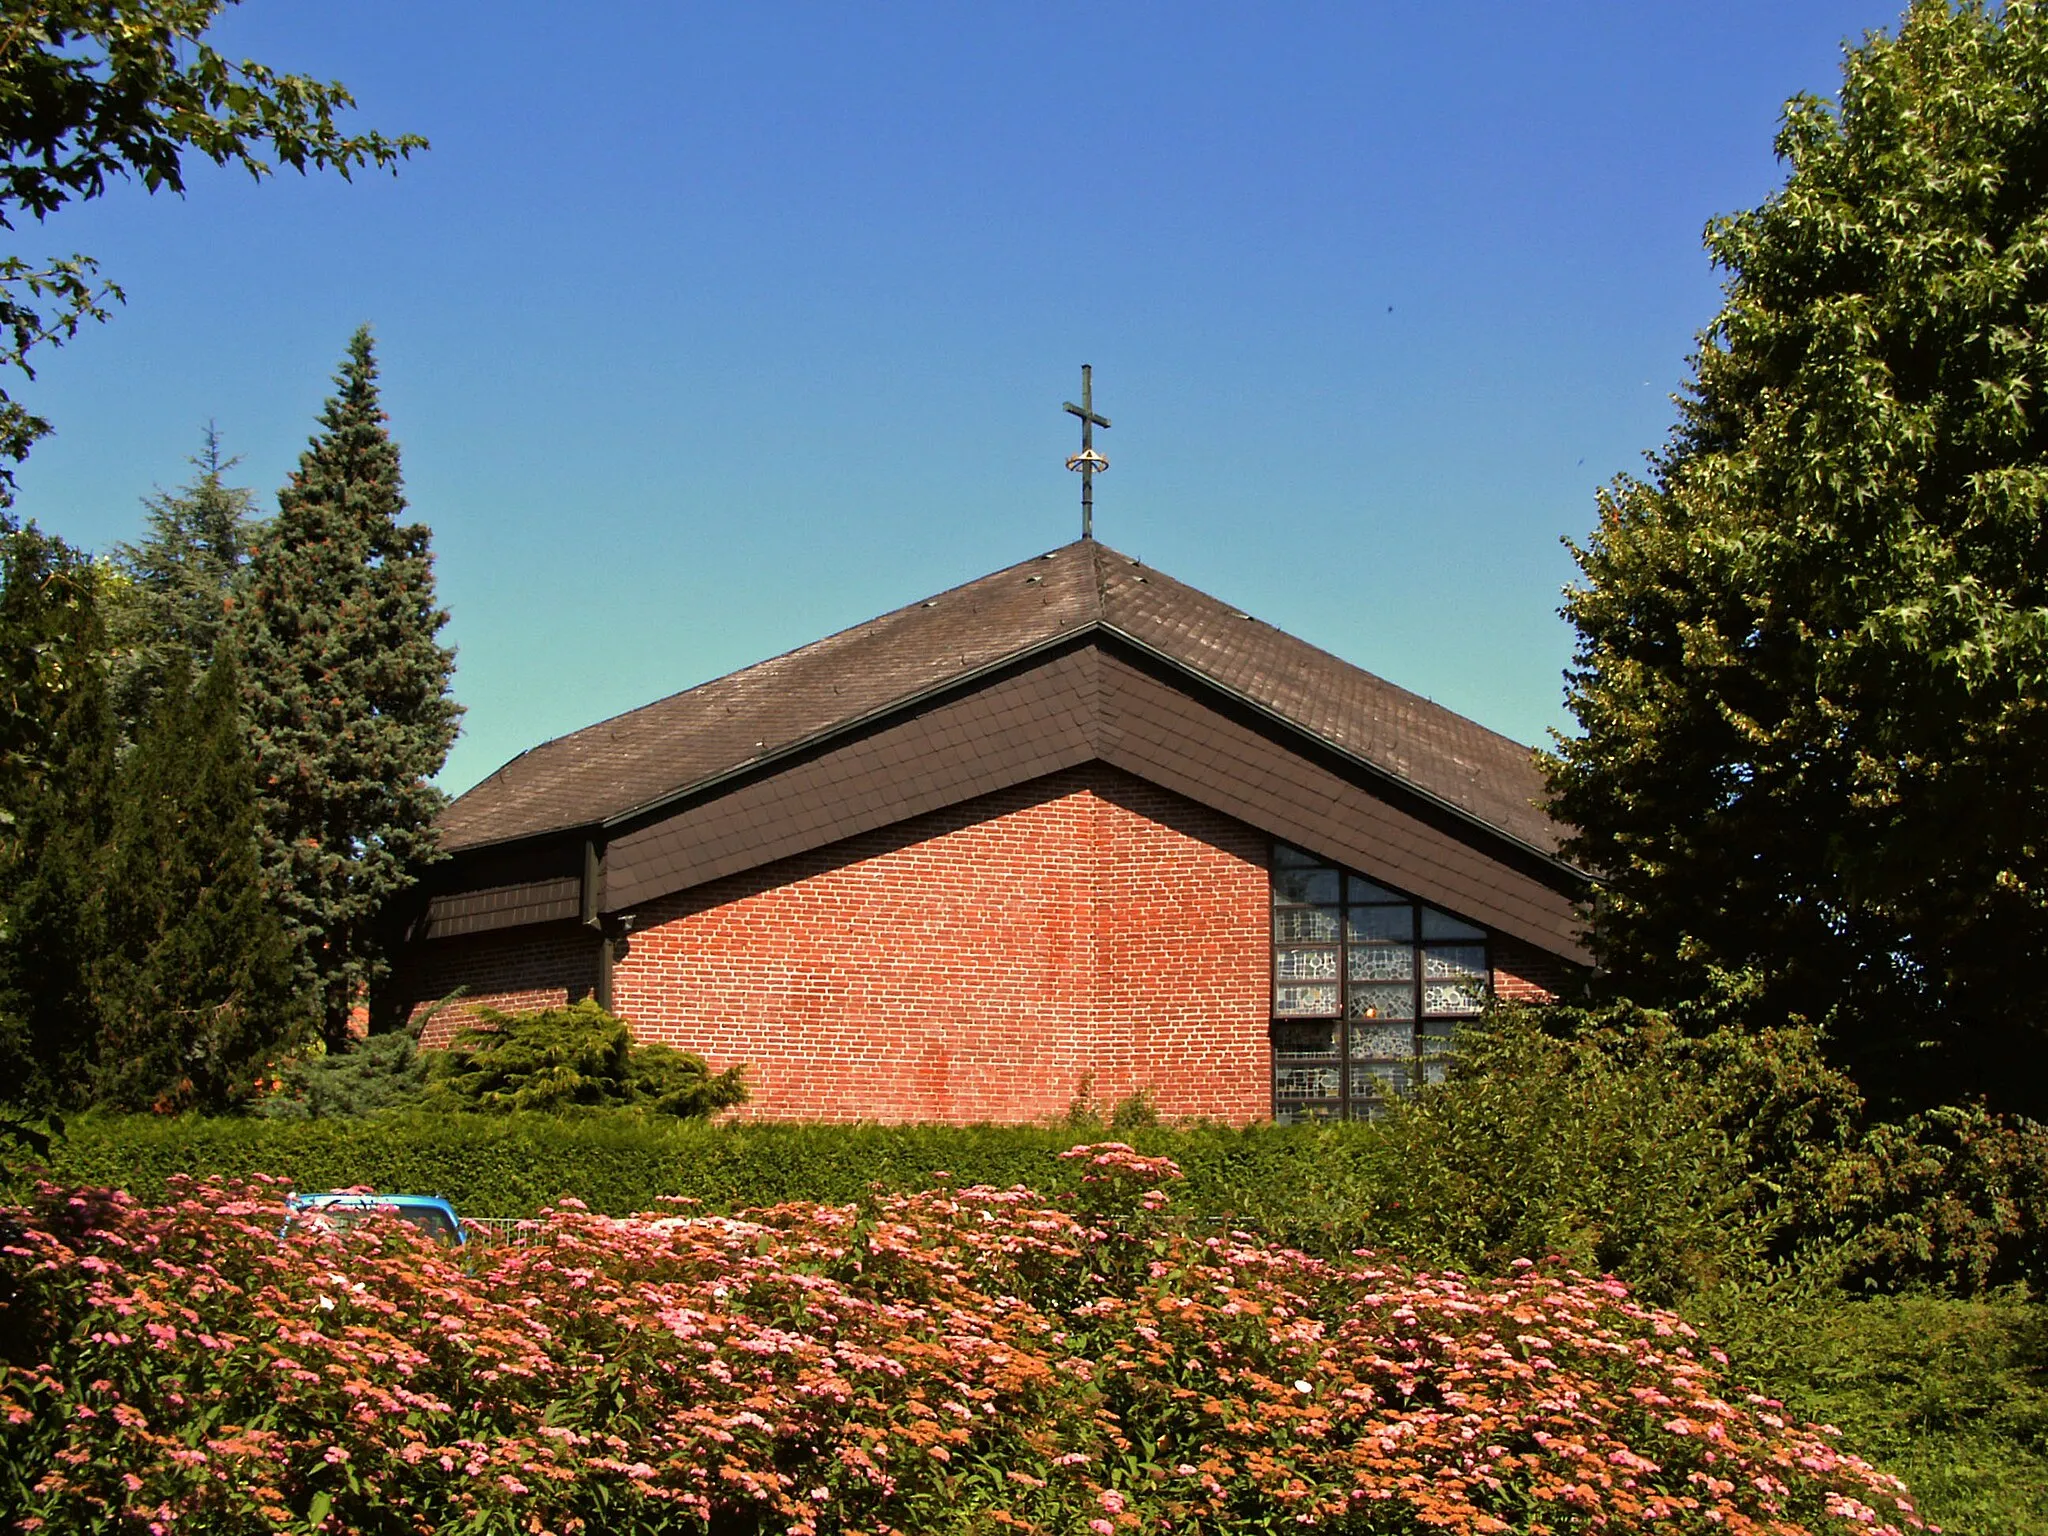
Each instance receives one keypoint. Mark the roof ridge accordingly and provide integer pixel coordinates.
(762, 711)
(809, 645)
(1169, 579)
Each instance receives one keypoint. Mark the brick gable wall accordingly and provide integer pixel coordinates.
(976, 963)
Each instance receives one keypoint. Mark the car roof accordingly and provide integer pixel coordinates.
(358, 1198)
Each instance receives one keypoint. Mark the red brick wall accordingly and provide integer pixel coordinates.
(1525, 975)
(977, 963)
(514, 970)
(1183, 960)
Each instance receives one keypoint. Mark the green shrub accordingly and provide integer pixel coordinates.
(513, 1164)
(1955, 1198)
(382, 1073)
(1951, 1395)
(1611, 1140)
(573, 1059)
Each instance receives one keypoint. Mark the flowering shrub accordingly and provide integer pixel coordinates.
(961, 1359)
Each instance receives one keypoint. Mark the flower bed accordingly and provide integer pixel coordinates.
(955, 1360)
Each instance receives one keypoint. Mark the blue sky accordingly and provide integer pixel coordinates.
(707, 330)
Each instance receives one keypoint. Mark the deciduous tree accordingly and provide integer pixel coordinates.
(92, 91)
(1812, 665)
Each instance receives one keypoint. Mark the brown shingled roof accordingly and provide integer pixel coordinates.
(638, 759)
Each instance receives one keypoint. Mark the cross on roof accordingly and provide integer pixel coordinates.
(1087, 461)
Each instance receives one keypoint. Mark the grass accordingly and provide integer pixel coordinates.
(1950, 1395)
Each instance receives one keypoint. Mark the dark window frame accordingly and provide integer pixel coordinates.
(1428, 1032)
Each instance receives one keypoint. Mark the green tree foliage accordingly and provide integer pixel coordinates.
(382, 1073)
(1812, 663)
(97, 90)
(347, 696)
(574, 1058)
(1614, 1139)
(171, 607)
(1954, 1198)
(196, 990)
(57, 748)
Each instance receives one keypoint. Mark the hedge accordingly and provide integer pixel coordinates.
(1309, 1184)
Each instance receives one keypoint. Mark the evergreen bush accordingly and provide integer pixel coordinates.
(379, 1074)
(195, 992)
(572, 1060)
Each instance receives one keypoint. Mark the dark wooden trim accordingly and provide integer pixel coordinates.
(1223, 760)
(1361, 765)
(1022, 727)
(1093, 696)
(809, 746)
(501, 906)
(591, 893)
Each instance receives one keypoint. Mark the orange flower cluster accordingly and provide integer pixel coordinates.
(963, 1359)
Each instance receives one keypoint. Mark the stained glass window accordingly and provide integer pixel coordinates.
(1293, 1042)
(1376, 1000)
(1379, 1080)
(1305, 925)
(1389, 925)
(1368, 986)
(1298, 1000)
(1382, 962)
(1304, 964)
(1378, 1038)
(1441, 925)
(1313, 885)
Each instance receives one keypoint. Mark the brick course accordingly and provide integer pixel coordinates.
(1522, 974)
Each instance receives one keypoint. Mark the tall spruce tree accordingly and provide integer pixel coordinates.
(57, 750)
(347, 694)
(178, 579)
(196, 989)
(1812, 666)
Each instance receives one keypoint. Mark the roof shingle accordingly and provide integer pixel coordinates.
(652, 753)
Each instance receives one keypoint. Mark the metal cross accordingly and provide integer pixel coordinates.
(1087, 461)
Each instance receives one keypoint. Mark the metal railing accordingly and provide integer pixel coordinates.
(500, 1230)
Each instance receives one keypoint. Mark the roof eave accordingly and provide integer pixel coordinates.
(802, 744)
(1366, 765)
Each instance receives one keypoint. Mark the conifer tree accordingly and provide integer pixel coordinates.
(173, 603)
(196, 989)
(346, 689)
(57, 748)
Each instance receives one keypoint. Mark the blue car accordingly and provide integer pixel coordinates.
(338, 1212)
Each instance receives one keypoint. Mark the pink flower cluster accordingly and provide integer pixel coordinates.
(964, 1359)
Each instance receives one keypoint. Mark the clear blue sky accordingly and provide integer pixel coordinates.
(707, 330)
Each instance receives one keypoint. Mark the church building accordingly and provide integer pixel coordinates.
(1072, 825)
